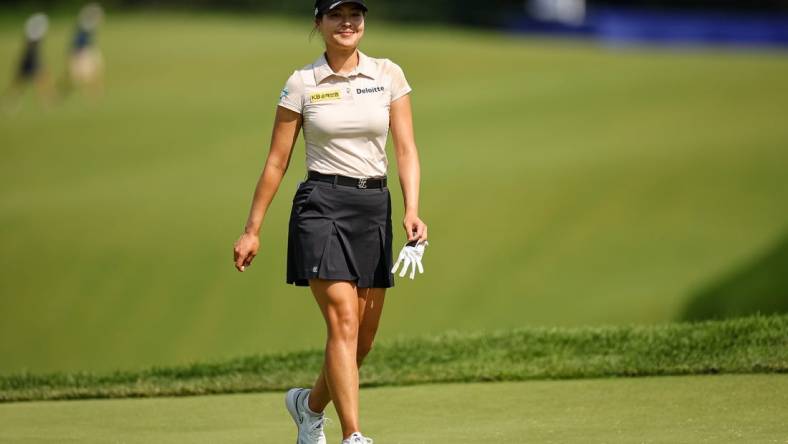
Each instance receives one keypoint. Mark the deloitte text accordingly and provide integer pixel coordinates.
(369, 90)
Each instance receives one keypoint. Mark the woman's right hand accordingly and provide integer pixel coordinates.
(287, 125)
(245, 250)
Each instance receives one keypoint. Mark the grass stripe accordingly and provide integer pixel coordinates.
(754, 344)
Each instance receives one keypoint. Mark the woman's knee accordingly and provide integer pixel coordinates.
(343, 325)
(337, 302)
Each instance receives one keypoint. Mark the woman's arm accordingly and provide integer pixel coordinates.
(401, 121)
(287, 124)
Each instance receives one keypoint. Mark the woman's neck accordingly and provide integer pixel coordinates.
(342, 62)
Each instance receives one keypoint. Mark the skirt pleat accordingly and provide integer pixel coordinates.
(340, 233)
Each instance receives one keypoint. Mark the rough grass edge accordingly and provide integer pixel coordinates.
(753, 344)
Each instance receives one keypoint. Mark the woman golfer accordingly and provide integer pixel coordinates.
(340, 235)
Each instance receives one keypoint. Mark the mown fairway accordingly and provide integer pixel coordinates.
(563, 184)
(695, 409)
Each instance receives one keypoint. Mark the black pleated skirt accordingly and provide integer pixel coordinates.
(340, 232)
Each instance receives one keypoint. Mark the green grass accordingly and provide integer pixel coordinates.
(564, 184)
(760, 285)
(688, 409)
(757, 344)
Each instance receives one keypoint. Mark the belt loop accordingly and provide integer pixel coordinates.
(336, 177)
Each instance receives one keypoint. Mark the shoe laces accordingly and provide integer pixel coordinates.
(317, 427)
(359, 439)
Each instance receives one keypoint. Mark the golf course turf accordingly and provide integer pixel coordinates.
(717, 409)
(564, 183)
(755, 344)
(581, 199)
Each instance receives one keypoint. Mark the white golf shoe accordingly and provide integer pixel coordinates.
(357, 438)
(310, 427)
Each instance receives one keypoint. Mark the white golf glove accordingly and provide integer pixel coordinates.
(410, 256)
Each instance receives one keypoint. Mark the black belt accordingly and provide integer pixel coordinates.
(349, 181)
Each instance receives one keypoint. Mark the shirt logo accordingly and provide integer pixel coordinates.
(325, 96)
(374, 89)
(284, 93)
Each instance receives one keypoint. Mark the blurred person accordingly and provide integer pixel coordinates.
(31, 69)
(340, 235)
(85, 62)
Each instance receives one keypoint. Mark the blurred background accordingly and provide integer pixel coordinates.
(583, 163)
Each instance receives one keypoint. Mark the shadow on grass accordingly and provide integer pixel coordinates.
(760, 286)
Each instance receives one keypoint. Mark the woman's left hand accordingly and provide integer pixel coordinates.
(415, 228)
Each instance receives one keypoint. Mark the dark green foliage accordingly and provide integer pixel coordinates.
(756, 344)
(759, 287)
(440, 11)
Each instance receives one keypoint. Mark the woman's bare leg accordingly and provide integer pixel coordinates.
(370, 307)
(337, 301)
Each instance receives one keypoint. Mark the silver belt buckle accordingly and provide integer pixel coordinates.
(362, 183)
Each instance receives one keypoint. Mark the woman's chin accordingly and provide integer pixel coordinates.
(346, 42)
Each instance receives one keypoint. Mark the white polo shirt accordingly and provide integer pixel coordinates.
(346, 116)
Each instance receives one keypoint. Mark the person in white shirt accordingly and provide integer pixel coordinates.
(340, 235)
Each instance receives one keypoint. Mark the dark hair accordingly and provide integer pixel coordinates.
(314, 28)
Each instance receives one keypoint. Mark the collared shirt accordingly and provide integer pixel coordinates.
(346, 116)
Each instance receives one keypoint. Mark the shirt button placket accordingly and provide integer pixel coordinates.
(349, 90)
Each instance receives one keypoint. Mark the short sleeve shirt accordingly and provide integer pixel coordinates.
(346, 116)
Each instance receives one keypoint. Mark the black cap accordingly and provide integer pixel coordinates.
(323, 6)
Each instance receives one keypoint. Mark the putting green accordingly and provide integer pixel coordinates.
(691, 409)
